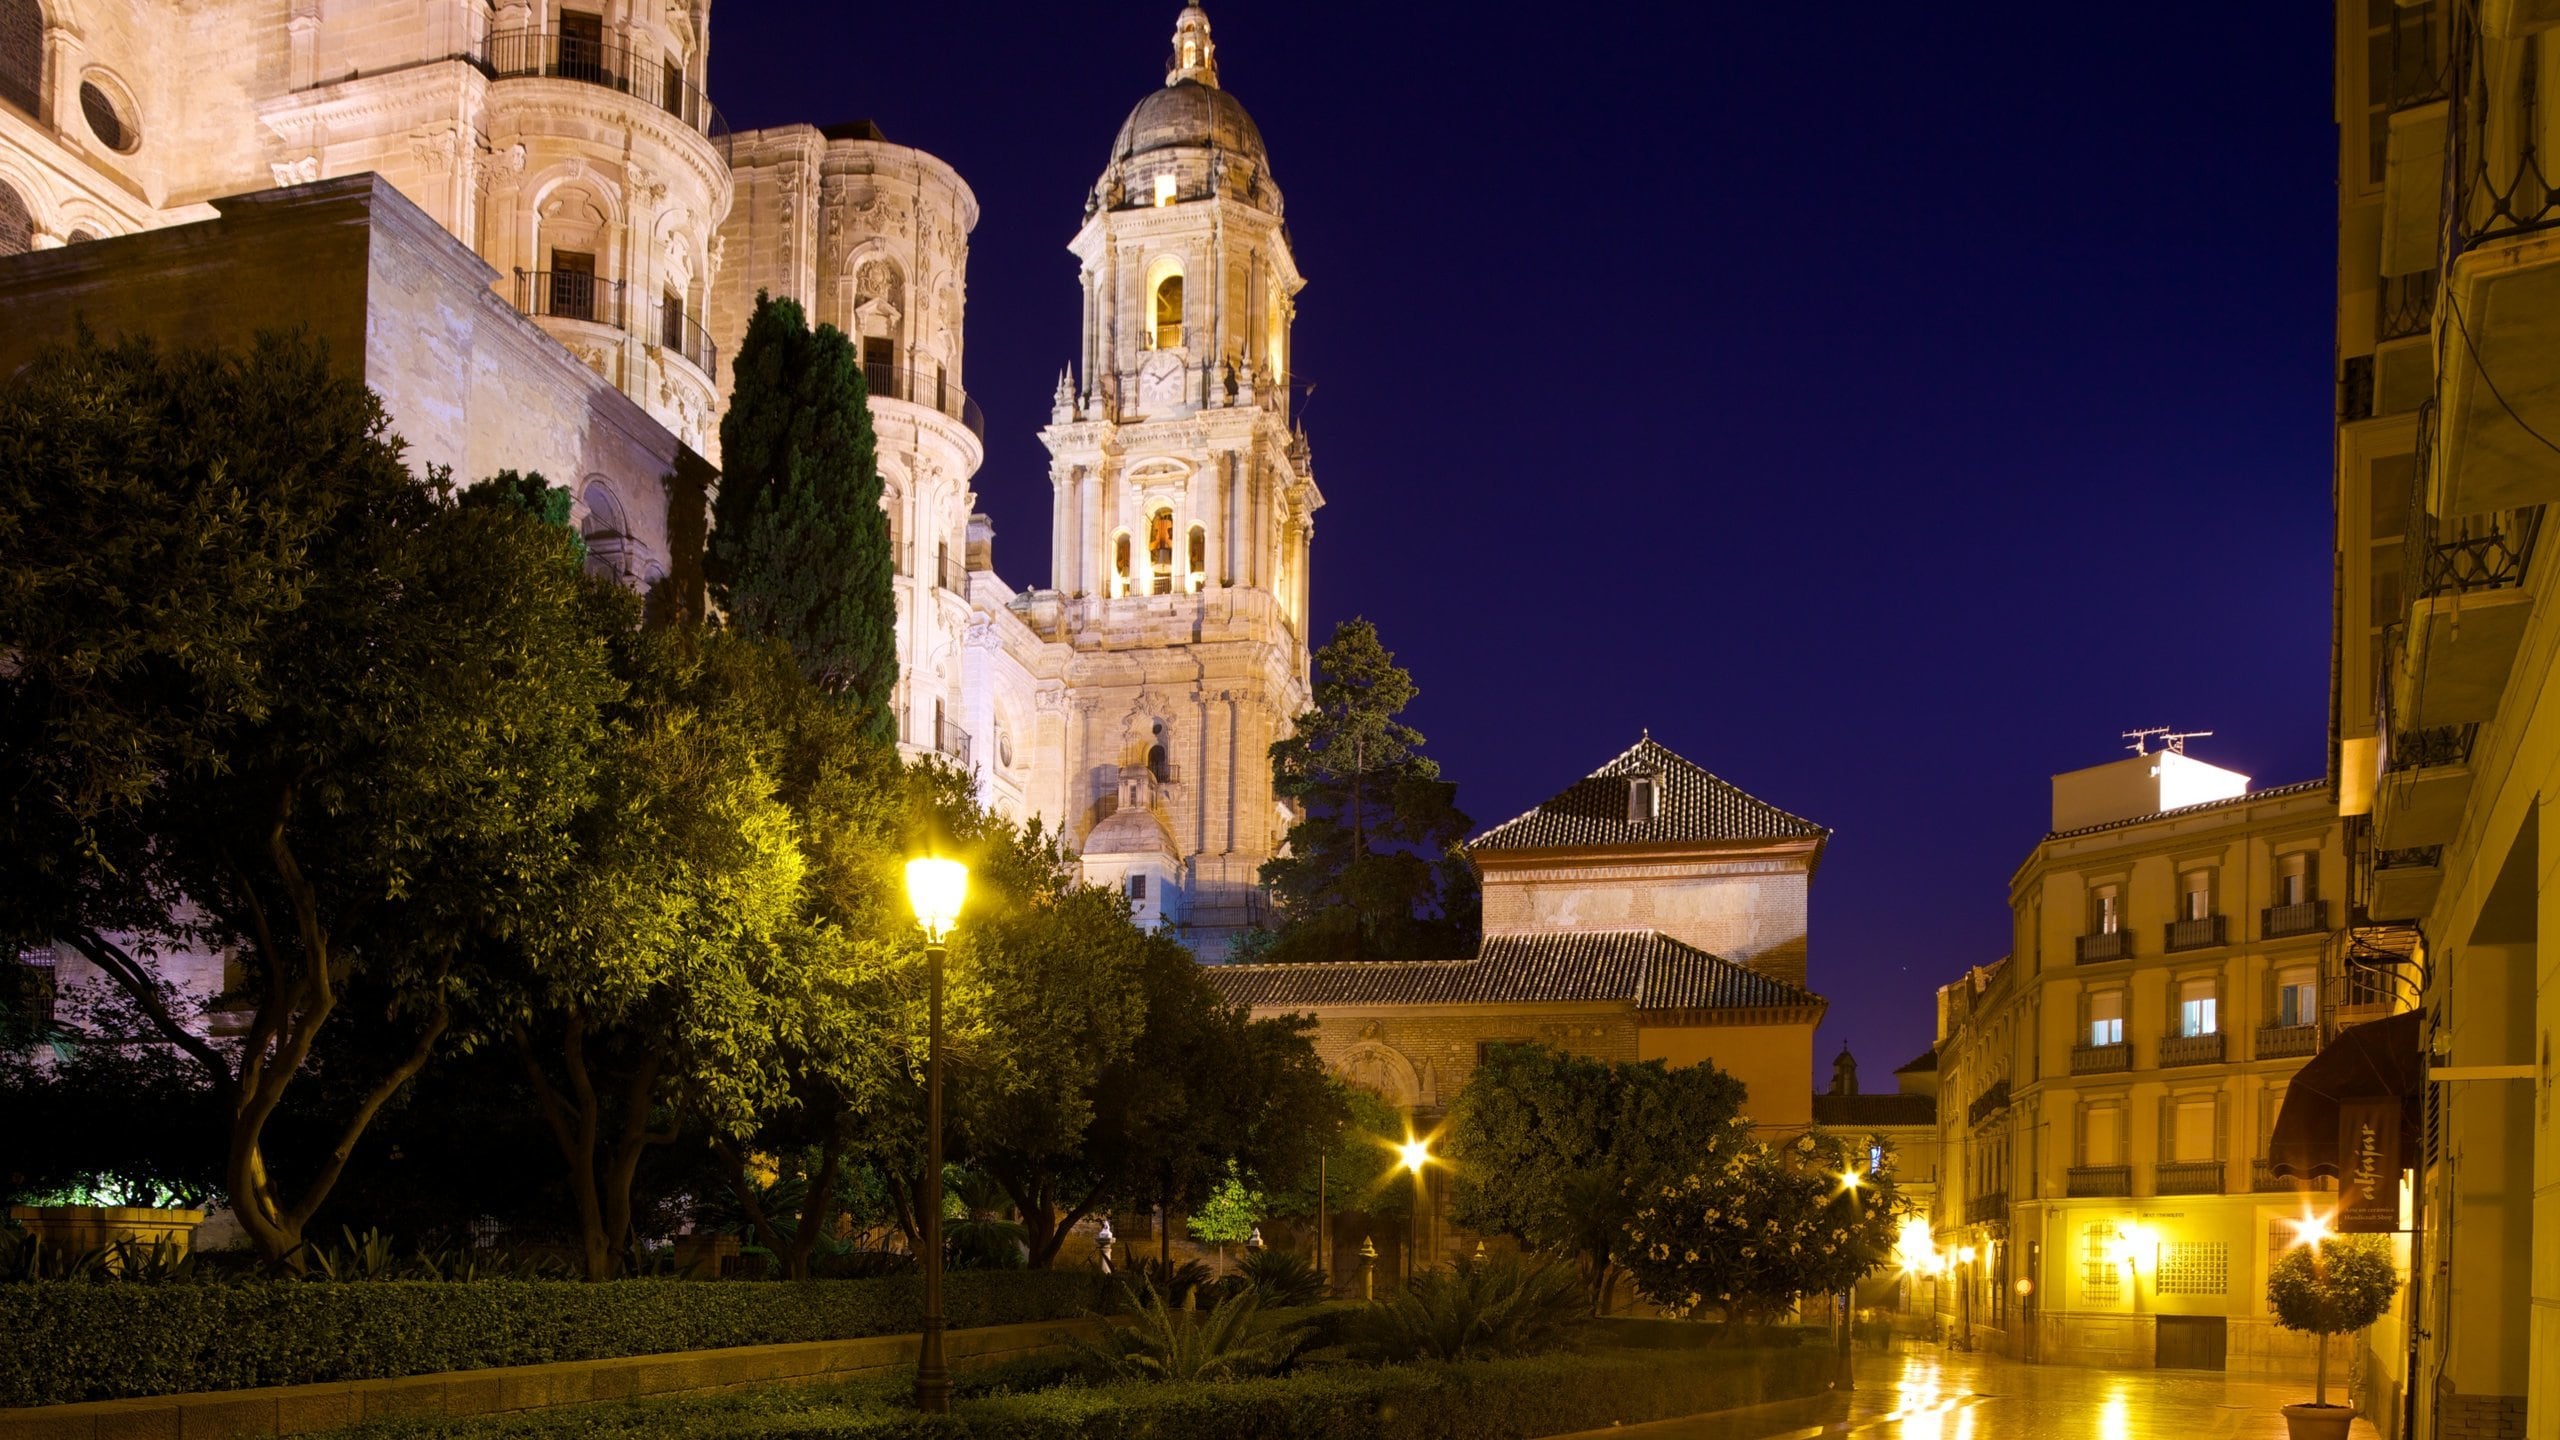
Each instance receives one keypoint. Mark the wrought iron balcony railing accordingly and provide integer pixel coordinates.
(570, 295)
(2100, 1059)
(1986, 1209)
(2187, 1177)
(2498, 181)
(2426, 749)
(1993, 1099)
(951, 740)
(2198, 933)
(684, 335)
(2098, 1180)
(2105, 945)
(2205, 1049)
(560, 56)
(888, 380)
(2285, 1042)
(2408, 306)
(2303, 917)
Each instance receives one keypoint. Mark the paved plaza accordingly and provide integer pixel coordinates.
(1926, 1393)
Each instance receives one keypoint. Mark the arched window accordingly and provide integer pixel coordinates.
(607, 534)
(1160, 552)
(17, 226)
(22, 56)
(1169, 313)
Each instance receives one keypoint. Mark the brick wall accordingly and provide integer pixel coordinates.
(2479, 1417)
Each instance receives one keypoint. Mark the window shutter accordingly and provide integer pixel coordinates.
(2221, 1127)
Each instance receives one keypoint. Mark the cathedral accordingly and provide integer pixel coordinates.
(582, 179)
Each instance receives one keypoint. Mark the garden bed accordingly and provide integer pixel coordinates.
(1495, 1400)
(72, 1341)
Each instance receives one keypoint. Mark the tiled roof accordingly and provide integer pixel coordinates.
(1645, 967)
(2276, 792)
(1875, 1110)
(1694, 805)
(1925, 1063)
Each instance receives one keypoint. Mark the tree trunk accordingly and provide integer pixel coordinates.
(815, 1206)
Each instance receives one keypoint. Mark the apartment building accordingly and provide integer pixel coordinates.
(2107, 1090)
(2448, 450)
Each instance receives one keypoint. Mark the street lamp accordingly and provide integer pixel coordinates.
(936, 888)
(1413, 1155)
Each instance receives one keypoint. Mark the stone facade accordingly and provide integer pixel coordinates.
(2107, 1090)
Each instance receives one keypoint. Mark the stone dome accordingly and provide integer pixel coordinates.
(1188, 113)
(1130, 830)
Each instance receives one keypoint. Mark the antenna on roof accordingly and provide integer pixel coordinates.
(2176, 740)
(2142, 738)
(2173, 742)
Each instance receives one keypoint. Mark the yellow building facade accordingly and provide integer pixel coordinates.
(2106, 1091)
(2448, 346)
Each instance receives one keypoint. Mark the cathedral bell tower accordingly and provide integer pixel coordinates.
(1184, 500)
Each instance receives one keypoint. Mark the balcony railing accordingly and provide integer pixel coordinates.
(2303, 917)
(646, 74)
(684, 335)
(1987, 1209)
(2428, 748)
(2187, 1177)
(949, 574)
(2199, 933)
(1993, 1100)
(2408, 306)
(2178, 1050)
(2471, 553)
(2106, 945)
(2416, 857)
(2101, 1059)
(2284, 1042)
(951, 740)
(570, 295)
(2499, 181)
(888, 380)
(2098, 1180)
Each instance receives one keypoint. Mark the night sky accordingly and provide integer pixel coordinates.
(1887, 414)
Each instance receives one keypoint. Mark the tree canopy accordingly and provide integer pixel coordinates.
(799, 546)
(1553, 1148)
(270, 695)
(1372, 870)
(1748, 1228)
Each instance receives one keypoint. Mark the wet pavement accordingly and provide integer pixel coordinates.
(1926, 1393)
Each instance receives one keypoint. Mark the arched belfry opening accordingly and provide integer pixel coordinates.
(1168, 312)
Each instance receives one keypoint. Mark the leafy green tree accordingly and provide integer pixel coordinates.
(1556, 1148)
(1373, 870)
(270, 695)
(799, 546)
(2336, 1285)
(1757, 1225)
(1227, 1216)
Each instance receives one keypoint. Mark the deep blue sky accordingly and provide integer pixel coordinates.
(1885, 406)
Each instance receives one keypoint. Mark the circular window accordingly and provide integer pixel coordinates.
(1004, 747)
(105, 120)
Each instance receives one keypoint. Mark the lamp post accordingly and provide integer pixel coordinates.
(936, 889)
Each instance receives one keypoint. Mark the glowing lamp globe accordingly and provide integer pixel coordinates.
(937, 888)
(1414, 1154)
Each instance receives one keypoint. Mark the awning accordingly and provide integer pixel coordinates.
(2378, 1060)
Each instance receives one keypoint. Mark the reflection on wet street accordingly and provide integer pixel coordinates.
(1926, 1393)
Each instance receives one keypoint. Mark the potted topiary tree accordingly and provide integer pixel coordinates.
(2331, 1286)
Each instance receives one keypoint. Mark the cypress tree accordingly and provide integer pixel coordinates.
(799, 547)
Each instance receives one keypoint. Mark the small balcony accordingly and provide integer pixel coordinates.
(2287, 1042)
(1988, 1209)
(589, 60)
(2402, 884)
(2453, 654)
(2105, 945)
(2187, 1177)
(684, 335)
(1993, 1100)
(570, 295)
(2200, 933)
(2101, 1059)
(951, 741)
(949, 574)
(2426, 781)
(2304, 917)
(2098, 1181)
(889, 380)
(2178, 1050)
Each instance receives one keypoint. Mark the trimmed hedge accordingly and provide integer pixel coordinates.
(72, 1341)
(1485, 1400)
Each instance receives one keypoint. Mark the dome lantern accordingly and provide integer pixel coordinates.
(1195, 56)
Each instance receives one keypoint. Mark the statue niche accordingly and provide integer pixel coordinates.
(1160, 552)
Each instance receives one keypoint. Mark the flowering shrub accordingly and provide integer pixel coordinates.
(1759, 1224)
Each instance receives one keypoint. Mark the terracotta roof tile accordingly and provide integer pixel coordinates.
(1693, 805)
(1645, 967)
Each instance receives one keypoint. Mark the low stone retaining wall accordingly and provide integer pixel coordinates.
(302, 1409)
